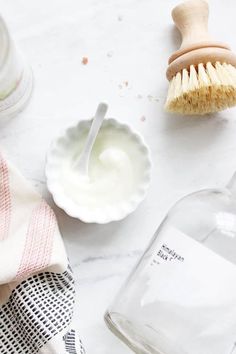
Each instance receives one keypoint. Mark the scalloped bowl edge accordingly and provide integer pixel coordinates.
(114, 214)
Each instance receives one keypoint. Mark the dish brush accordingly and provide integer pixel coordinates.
(202, 72)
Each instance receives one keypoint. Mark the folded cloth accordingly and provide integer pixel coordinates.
(36, 281)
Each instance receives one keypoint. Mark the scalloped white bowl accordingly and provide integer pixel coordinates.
(61, 148)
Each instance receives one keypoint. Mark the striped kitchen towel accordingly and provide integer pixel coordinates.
(36, 281)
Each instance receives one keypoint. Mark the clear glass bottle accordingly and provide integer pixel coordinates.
(181, 297)
(16, 80)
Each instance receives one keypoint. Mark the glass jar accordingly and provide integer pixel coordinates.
(181, 297)
(15, 75)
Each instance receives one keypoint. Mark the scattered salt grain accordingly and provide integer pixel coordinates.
(84, 61)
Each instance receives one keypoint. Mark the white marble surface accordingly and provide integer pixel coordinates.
(124, 40)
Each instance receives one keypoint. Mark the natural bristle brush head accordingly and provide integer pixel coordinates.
(202, 73)
(202, 89)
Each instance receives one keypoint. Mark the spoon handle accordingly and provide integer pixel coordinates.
(83, 162)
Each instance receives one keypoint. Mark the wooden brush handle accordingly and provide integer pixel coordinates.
(191, 18)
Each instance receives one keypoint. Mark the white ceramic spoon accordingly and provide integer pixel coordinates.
(83, 161)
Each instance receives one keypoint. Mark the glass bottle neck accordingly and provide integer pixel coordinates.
(232, 185)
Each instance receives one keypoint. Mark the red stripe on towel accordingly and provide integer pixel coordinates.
(5, 200)
(39, 241)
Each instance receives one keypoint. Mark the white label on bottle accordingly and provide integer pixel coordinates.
(190, 295)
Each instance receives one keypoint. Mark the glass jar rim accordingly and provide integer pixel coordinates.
(4, 43)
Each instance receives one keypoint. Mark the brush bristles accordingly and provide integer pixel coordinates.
(201, 90)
